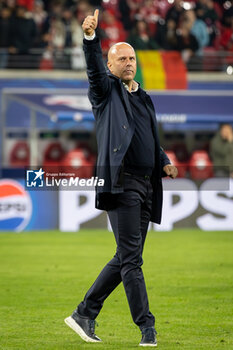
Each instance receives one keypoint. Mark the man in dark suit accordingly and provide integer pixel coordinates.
(131, 162)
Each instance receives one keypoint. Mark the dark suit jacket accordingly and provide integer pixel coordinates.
(114, 130)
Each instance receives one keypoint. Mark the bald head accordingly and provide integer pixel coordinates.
(122, 61)
(114, 49)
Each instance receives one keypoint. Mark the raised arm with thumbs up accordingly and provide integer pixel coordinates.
(90, 23)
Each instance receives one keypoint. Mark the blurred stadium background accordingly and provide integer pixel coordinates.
(185, 62)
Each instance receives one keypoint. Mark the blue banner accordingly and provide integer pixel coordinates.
(25, 210)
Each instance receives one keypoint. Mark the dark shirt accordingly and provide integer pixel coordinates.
(189, 42)
(175, 14)
(68, 35)
(166, 39)
(5, 32)
(140, 156)
(23, 34)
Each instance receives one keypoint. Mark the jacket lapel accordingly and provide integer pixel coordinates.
(124, 95)
(149, 106)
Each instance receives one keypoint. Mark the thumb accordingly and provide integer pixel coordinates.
(96, 15)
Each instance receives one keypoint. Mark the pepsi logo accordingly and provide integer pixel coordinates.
(15, 206)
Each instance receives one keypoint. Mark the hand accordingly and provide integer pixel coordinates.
(170, 170)
(12, 50)
(90, 23)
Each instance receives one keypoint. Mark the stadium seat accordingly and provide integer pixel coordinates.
(181, 152)
(79, 162)
(87, 151)
(181, 166)
(200, 165)
(20, 155)
(53, 157)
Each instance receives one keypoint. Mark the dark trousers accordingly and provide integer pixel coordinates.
(129, 222)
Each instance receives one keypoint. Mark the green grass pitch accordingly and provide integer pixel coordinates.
(44, 275)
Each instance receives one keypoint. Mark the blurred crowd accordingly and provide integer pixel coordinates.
(50, 29)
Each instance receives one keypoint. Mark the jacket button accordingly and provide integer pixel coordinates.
(124, 127)
(115, 149)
